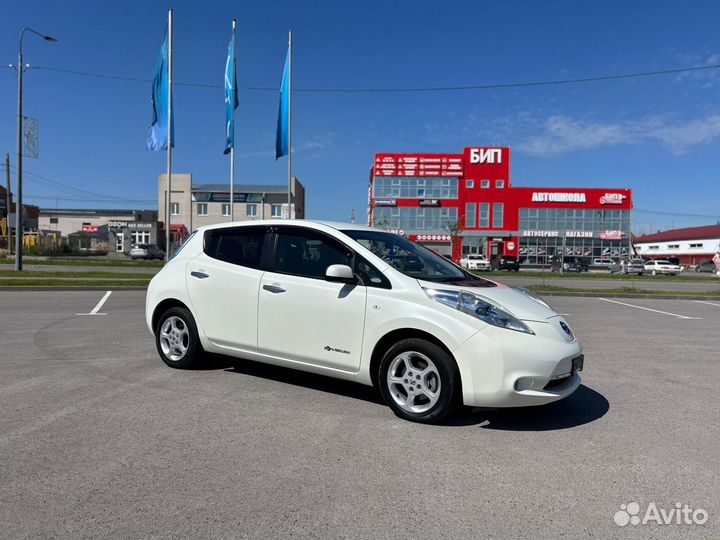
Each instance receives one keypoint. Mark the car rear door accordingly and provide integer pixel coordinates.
(223, 283)
(301, 316)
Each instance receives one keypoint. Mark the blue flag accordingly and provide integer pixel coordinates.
(158, 135)
(231, 98)
(283, 123)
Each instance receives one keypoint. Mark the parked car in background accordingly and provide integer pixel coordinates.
(475, 262)
(341, 301)
(662, 266)
(146, 251)
(572, 264)
(506, 262)
(607, 262)
(633, 266)
(706, 266)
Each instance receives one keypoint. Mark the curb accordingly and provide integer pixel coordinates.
(70, 288)
(631, 295)
(554, 293)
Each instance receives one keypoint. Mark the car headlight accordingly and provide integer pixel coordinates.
(532, 295)
(478, 307)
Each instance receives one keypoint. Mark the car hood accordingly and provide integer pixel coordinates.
(515, 302)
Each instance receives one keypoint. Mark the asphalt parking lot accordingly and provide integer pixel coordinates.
(99, 439)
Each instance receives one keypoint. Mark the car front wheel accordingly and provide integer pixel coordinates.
(176, 338)
(419, 381)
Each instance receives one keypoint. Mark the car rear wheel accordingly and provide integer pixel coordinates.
(177, 340)
(419, 381)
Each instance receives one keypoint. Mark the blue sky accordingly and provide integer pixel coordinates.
(658, 135)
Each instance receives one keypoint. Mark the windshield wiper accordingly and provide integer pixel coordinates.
(443, 279)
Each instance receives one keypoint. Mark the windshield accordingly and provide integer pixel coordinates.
(410, 258)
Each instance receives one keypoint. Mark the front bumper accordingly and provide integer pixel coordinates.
(503, 368)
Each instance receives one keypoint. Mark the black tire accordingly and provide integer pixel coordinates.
(449, 384)
(193, 347)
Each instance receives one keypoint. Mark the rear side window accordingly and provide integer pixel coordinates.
(243, 246)
(308, 254)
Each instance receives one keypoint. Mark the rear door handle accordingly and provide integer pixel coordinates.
(199, 275)
(274, 288)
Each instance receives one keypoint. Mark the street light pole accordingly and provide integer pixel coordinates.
(19, 201)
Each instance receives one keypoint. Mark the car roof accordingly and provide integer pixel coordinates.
(312, 224)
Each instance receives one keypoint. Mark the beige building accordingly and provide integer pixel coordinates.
(195, 205)
(72, 220)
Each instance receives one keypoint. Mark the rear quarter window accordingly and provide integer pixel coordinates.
(242, 246)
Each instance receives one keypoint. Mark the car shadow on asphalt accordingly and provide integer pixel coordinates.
(582, 407)
(295, 377)
(585, 405)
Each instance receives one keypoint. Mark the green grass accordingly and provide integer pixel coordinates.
(602, 275)
(30, 282)
(630, 291)
(102, 275)
(81, 261)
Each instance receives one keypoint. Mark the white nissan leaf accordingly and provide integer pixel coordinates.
(364, 305)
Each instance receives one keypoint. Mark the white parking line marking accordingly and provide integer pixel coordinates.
(708, 303)
(650, 309)
(98, 306)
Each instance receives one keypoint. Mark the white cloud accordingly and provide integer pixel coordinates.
(706, 78)
(317, 143)
(560, 134)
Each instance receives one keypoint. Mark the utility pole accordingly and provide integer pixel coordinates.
(19, 201)
(18, 198)
(7, 203)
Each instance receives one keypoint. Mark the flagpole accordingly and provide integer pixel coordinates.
(232, 148)
(168, 199)
(290, 126)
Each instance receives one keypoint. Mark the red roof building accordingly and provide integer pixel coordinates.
(692, 245)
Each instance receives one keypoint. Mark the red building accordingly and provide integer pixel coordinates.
(466, 203)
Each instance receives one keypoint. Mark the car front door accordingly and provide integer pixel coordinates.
(223, 283)
(301, 316)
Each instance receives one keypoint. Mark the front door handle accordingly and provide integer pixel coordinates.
(199, 275)
(275, 288)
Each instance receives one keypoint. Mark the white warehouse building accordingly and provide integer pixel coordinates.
(692, 245)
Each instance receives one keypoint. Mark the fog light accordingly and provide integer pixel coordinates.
(524, 383)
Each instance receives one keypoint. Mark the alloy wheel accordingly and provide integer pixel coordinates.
(414, 382)
(174, 338)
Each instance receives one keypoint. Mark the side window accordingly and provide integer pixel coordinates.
(307, 253)
(370, 275)
(243, 246)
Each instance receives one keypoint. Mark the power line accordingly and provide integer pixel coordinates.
(67, 188)
(490, 86)
(336, 187)
(676, 214)
(128, 201)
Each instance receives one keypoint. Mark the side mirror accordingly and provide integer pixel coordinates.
(340, 273)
